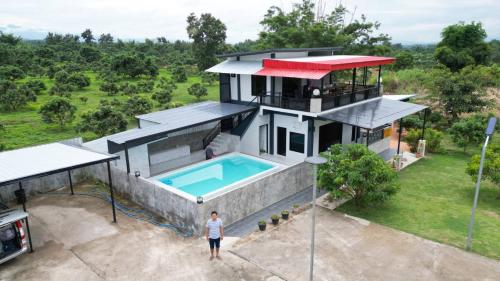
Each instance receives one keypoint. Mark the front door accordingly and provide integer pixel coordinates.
(281, 141)
(225, 87)
(329, 134)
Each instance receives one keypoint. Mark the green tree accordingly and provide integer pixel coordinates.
(355, 172)
(459, 92)
(110, 88)
(129, 88)
(61, 89)
(301, 28)
(105, 39)
(463, 44)
(133, 65)
(198, 91)
(87, 36)
(79, 80)
(37, 86)
(11, 72)
(179, 73)
(404, 60)
(209, 36)
(208, 78)
(491, 166)
(13, 97)
(137, 105)
(468, 131)
(104, 121)
(162, 96)
(58, 110)
(90, 53)
(432, 138)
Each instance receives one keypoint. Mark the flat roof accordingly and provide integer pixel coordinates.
(372, 113)
(236, 67)
(176, 119)
(46, 159)
(336, 62)
(280, 50)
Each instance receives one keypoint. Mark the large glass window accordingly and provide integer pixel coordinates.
(259, 85)
(297, 142)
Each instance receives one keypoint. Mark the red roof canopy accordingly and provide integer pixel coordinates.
(317, 67)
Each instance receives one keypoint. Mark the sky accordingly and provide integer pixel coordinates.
(407, 22)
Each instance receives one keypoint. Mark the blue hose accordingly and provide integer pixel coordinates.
(137, 214)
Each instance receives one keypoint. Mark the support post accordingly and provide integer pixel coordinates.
(111, 191)
(367, 137)
(271, 133)
(313, 222)
(127, 161)
(399, 135)
(26, 220)
(378, 79)
(353, 94)
(70, 182)
(310, 137)
(422, 135)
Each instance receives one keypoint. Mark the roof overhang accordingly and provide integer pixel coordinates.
(373, 113)
(42, 160)
(293, 73)
(236, 67)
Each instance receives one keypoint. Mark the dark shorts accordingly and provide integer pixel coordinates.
(214, 243)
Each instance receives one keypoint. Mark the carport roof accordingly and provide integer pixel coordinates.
(373, 113)
(42, 160)
(176, 119)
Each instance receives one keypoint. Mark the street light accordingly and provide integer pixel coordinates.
(489, 131)
(315, 161)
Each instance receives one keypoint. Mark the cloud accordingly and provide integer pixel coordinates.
(406, 21)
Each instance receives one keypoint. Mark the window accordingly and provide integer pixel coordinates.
(259, 85)
(297, 142)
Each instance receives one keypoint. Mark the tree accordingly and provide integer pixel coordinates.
(105, 39)
(58, 110)
(104, 121)
(90, 53)
(209, 36)
(459, 92)
(179, 73)
(110, 88)
(463, 44)
(432, 138)
(353, 171)
(208, 78)
(404, 60)
(491, 166)
(198, 91)
(79, 80)
(13, 97)
(62, 89)
(137, 105)
(468, 131)
(37, 86)
(129, 88)
(133, 65)
(11, 72)
(300, 28)
(87, 36)
(162, 96)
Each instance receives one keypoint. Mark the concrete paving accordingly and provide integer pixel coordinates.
(75, 239)
(353, 249)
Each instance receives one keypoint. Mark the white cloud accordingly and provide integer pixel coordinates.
(406, 21)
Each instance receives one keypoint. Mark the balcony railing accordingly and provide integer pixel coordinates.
(329, 99)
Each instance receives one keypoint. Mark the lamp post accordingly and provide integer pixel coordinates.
(315, 161)
(489, 131)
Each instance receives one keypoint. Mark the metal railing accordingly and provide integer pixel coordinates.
(214, 132)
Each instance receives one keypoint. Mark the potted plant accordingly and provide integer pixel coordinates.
(262, 225)
(275, 219)
(284, 214)
(296, 208)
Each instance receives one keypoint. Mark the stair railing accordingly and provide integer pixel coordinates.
(214, 132)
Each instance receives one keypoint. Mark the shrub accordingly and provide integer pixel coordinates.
(37, 86)
(468, 131)
(179, 73)
(58, 110)
(11, 72)
(129, 88)
(198, 91)
(353, 171)
(106, 120)
(137, 105)
(432, 138)
(13, 97)
(110, 88)
(275, 217)
(162, 96)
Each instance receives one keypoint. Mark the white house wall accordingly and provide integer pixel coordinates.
(249, 143)
(138, 160)
(246, 87)
(234, 87)
(291, 124)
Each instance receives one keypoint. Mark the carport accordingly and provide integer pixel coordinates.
(23, 164)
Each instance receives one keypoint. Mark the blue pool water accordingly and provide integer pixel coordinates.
(205, 178)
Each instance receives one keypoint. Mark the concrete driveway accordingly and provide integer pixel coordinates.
(349, 248)
(74, 239)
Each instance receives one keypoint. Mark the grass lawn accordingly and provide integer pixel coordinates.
(24, 127)
(435, 202)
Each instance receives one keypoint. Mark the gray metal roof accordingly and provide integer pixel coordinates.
(236, 67)
(45, 159)
(180, 118)
(280, 50)
(373, 113)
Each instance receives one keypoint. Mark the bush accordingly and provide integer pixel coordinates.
(137, 105)
(468, 131)
(198, 91)
(355, 172)
(106, 120)
(37, 86)
(162, 96)
(432, 138)
(13, 97)
(129, 88)
(11, 72)
(179, 73)
(110, 88)
(58, 110)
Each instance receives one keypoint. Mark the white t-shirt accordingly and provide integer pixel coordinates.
(214, 228)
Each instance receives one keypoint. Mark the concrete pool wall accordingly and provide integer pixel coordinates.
(231, 206)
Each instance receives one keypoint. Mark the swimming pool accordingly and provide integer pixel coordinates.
(207, 177)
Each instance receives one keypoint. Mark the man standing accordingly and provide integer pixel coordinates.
(214, 232)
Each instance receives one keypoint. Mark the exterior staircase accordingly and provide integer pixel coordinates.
(223, 143)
